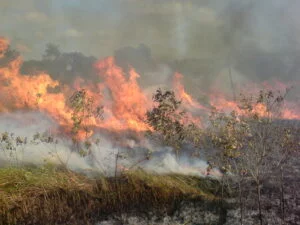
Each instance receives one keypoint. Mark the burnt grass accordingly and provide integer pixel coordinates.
(270, 199)
(54, 196)
(291, 185)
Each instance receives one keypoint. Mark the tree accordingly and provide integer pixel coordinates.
(84, 108)
(251, 142)
(52, 52)
(166, 119)
(286, 145)
(225, 135)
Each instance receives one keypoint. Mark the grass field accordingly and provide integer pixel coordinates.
(50, 195)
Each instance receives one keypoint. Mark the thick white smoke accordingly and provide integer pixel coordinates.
(23, 147)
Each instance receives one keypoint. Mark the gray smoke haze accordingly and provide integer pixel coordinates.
(102, 158)
(199, 38)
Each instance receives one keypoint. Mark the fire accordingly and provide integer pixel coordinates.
(223, 103)
(186, 98)
(128, 104)
(3, 46)
(125, 103)
(220, 102)
(25, 91)
(125, 107)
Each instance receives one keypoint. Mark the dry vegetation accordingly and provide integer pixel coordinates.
(50, 195)
(249, 146)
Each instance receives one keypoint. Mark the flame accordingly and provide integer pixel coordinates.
(128, 104)
(187, 99)
(20, 91)
(125, 103)
(125, 107)
(221, 102)
(26, 91)
(3, 46)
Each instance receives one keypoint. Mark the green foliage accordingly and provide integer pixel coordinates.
(52, 52)
(84, 108)
(195, 135)
(168, 122)
(42, 138)
(166, 118)
(12, 146)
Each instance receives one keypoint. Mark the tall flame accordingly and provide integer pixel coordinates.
(125, 103)
(128, 103)
(32, 92)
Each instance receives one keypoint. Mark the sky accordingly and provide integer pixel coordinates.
(98, 27)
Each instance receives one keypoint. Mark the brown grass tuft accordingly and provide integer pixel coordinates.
(52, 196)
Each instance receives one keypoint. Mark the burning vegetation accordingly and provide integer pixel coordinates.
(244, 142)
(124, 102)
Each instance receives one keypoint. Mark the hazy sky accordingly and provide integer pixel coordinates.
(99, 27)
(171, 28)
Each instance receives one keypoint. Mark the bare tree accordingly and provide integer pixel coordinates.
(252, 144)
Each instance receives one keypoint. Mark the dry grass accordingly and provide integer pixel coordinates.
(52, 196)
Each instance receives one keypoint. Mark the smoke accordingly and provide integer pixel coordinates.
(26, 125)
(65, 67)
(200, 39)
(103, 158)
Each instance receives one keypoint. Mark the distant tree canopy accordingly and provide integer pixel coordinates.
(52, 52)
(64, 67)
(9, 55)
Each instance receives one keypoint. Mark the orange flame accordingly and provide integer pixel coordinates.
(188, 100)
(128, 102)
(125, 103)
(221, 103)
(125, 108)
(3, 46)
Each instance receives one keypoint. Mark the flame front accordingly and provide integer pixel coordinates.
(125, 105)
(125, 102)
